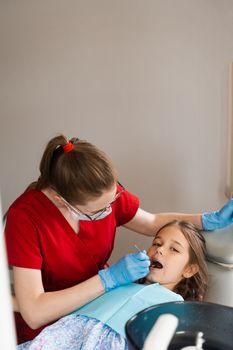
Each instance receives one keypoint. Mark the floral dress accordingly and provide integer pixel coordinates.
(76, 332)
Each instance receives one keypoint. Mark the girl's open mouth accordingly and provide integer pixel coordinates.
(156, 264)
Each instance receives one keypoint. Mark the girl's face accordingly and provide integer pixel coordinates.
(169, 255)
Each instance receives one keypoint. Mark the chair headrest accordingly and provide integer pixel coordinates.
(219, 245)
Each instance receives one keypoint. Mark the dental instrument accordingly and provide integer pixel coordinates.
(138, 249)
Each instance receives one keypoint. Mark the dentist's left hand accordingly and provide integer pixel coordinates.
(128, 269)
(218, 219)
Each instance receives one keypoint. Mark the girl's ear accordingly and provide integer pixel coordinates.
(190, 270)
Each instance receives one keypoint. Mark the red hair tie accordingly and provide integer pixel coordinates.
(68, 147)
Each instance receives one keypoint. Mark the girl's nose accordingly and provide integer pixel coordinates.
(160, 250)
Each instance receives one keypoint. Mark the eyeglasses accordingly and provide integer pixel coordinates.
(97, 214)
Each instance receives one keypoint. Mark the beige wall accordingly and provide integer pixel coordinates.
(144, 80)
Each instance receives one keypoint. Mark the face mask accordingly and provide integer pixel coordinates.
(98, 216)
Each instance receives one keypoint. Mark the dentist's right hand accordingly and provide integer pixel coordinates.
(128, 269)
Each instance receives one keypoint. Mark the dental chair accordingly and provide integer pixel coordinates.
(220, 264)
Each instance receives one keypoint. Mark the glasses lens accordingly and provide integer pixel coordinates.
(99, 213)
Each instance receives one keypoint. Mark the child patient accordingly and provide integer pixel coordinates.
(178, 260)
(178, 272)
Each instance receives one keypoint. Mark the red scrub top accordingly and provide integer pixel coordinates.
(39, 237)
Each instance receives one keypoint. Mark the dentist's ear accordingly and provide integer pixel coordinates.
(58, 200)
(190, 270)
(55, 197)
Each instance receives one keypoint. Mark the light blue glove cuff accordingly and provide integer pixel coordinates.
(106, 278)
(210, 221)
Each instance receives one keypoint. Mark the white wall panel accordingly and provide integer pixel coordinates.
(147, 81)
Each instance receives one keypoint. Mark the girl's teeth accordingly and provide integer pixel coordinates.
(156, 264)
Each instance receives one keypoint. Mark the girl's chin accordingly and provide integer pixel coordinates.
(151, 279)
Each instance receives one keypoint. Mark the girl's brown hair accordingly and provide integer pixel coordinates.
(82, 174)
(194, 287)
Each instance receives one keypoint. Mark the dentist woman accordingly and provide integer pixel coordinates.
(60, 234)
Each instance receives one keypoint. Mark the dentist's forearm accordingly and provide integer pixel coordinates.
(164, 218)
(15, 305)
(148, 224)
(50, 306)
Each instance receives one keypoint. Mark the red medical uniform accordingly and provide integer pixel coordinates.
(39, 237)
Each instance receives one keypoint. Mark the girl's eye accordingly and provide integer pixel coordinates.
(174, 250)
(156, 244)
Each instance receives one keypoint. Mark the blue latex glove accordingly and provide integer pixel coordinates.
(218, 219)
(128, 269)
